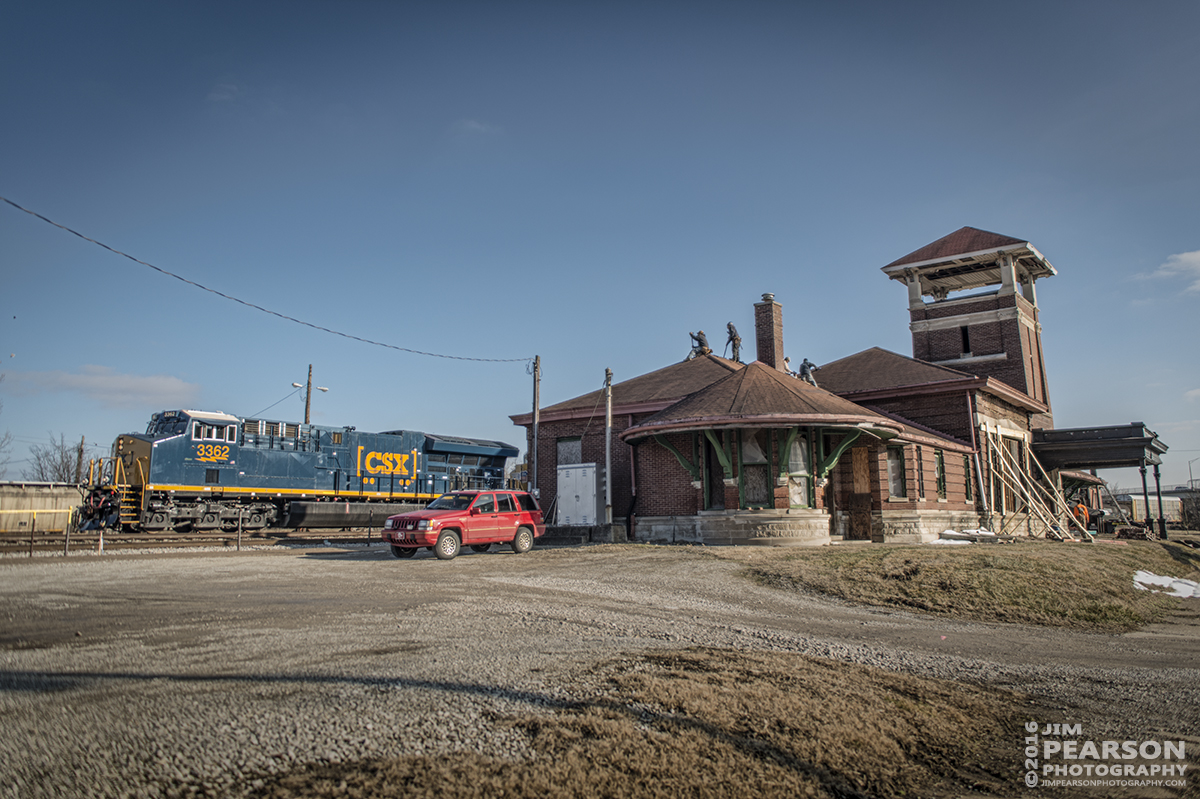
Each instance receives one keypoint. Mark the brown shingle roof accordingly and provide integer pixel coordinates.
(660, 386)
(962, 241)
(877, 368)
(920, 433)
(759, 395)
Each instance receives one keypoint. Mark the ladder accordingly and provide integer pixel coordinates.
(129, 493)
(130, 509)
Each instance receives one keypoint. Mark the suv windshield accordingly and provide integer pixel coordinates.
(451, 502)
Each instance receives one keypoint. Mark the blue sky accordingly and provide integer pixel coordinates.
(583, 181)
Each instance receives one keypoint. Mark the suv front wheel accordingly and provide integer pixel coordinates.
(447, 546)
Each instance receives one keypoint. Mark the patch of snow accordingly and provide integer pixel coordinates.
(1174, 586)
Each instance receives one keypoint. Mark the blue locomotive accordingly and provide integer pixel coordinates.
(201, 470)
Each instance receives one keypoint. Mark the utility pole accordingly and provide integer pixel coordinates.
(79, 461)
(537, 388)
(608, 446)
(308, 393)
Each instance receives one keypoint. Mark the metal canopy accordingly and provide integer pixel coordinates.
(1098, 447)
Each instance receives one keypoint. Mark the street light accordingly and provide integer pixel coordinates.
(308, 393)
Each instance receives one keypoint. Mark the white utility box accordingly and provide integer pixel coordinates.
(580, 494)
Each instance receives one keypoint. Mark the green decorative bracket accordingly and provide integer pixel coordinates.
(828, 464)
(692, 469)
(722, 455)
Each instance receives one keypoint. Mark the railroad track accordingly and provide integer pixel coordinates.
(89, 541)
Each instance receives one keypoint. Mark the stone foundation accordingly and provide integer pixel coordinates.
(559, 534)
(919, 526)
(787, 528)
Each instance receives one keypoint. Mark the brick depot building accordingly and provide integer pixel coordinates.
(888, 448)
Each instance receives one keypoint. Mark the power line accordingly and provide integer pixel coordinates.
(273, 404)
(258, 307)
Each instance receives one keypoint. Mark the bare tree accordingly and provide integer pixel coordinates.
(57, 462)
(5, 444)
(5, 447)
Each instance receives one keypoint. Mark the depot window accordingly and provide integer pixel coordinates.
(570, 450)
(897, 488)
(939, 459)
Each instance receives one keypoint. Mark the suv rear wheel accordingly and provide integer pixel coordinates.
(523, 541)
(447, 546)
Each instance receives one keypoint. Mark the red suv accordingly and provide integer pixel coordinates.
(476, 519)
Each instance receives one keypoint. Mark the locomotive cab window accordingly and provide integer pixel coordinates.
(212, 432)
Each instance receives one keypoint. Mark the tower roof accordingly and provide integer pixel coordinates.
(968, 258)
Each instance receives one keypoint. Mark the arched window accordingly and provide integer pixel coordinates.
(799, 473)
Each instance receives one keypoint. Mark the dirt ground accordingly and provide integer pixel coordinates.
(614, 671)
(720, 723)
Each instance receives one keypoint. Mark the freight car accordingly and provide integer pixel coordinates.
(202, 470)
(1135, 508)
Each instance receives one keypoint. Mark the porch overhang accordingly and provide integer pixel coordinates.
(872, 425)
(1114, 447)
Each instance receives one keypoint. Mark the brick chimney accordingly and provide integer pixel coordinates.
(768, 331)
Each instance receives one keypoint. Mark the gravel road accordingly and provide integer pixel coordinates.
(198, 672)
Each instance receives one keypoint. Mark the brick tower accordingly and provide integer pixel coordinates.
(992, 333)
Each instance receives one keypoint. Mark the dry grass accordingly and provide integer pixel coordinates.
(719, 723)
(1086, 586)
(716, 723)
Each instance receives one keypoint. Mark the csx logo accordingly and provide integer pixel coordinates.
(382, 462)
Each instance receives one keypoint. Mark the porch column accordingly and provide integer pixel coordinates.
(1008, 276)
(1162, 523)
(915, 300)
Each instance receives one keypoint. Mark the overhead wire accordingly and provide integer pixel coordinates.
(273, 404)
(169, 273)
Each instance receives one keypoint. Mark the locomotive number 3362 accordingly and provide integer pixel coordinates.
(211, 452)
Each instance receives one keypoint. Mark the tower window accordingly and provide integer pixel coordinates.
(966, 339)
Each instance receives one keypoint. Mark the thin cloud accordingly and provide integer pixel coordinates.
(224, 93)
(1185, 265)
(1194, 394)
(109, 388)
(1174, 427)
(473, 127)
